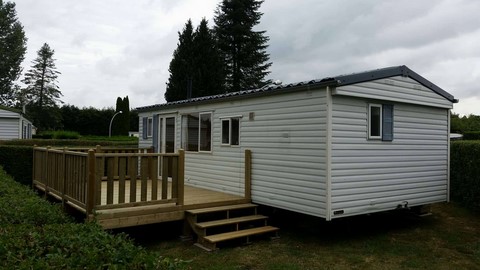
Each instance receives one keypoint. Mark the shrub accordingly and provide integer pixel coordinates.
(35, 234)
(70, 143)
(17, 161)
(465, 173)
(471, 135)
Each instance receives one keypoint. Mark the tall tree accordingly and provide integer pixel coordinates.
(12, 51)
(208, 76)
(243, 49)
(122, 121)
(41, 88)
(41, 79)
(179, 82)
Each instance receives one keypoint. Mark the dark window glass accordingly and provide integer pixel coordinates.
(235, 140)
(225, 132)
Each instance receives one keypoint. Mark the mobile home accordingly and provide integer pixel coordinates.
(340, 146)
(14, 125)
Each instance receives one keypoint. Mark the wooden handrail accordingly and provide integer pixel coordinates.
(77, 177)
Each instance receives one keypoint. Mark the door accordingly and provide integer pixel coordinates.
(166, 138)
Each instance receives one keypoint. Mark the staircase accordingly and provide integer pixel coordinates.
(219, 224)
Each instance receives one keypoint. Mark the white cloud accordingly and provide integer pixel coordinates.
(106, 49)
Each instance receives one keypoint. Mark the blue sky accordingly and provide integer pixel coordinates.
(108, 48)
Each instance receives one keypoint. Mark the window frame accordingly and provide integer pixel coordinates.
(230, 129)
(149, 127)
(370, 118)
(200, 132)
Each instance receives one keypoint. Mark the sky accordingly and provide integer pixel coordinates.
(114, 48)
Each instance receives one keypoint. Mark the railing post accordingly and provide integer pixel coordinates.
(45, 170)
(181, 176)
(248, 174)
(90, 204)
(64, 174)
(34, 165)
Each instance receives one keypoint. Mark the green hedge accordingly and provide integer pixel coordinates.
(35, 234)
(471, 135)
(17, 162)
(465, 173)
(70, 142)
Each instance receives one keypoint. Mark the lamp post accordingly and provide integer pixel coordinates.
(110, 128)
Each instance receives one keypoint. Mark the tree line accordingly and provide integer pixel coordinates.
(229, 57)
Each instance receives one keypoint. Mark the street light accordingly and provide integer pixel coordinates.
(110, 128)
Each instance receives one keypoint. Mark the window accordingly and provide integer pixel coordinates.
(197, 132)
(149, 127)
(231, 131)
(380, 122)
(375, 121)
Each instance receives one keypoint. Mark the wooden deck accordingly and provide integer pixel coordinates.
(125, 187)
(195, 198)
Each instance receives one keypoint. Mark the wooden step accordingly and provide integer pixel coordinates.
(229, 221)
(220, 208)
(238, 234)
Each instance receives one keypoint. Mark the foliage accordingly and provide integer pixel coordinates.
(59, 135)
(13, 45)
(465, 173)
(464, 124)
(471, 135)
(17, 161)
(181, 67)
(196, 69)
(42, 91)
(37, 235)
(242, 48)
(121, 123)
(86, 121)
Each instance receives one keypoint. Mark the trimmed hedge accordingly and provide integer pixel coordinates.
(69, 142)
(471, 135)
(465, 173)
(35, 234)
(17, 162)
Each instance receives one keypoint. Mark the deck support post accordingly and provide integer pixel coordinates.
(91, 183)
(181, 176)
(248, 174)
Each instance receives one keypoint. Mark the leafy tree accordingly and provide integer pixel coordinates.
(12, 51)
(181, 66)
(208, 75)
(42, 91)
(243, 49)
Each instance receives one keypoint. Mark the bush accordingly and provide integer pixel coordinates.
(471, 135)
(17, 161)
(35, 234)
(71, 143)
(465, 173)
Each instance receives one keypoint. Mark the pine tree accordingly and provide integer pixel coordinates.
(41, 80)
(243, 50)
(208, 76)
(181, 66)
(42, 91)
(12, 51)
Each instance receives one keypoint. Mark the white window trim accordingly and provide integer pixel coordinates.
(229, 131)
(200, 131)
(229, 119)
(370, 121)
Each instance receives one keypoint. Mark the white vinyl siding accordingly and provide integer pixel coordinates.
(14, 126)
(286, 135)
(372, 175)
(397, 89)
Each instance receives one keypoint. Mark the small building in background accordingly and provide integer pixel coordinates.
(14, 125)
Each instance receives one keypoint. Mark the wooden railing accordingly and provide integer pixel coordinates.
(109, 178)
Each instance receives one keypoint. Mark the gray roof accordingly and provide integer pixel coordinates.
(340, 80)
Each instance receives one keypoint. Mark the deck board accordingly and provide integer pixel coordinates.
(194, 198)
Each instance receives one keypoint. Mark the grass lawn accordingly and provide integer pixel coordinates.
(448, 239)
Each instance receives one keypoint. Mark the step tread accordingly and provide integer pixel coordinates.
(228, 221)
(220, 208)
(237, 234)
